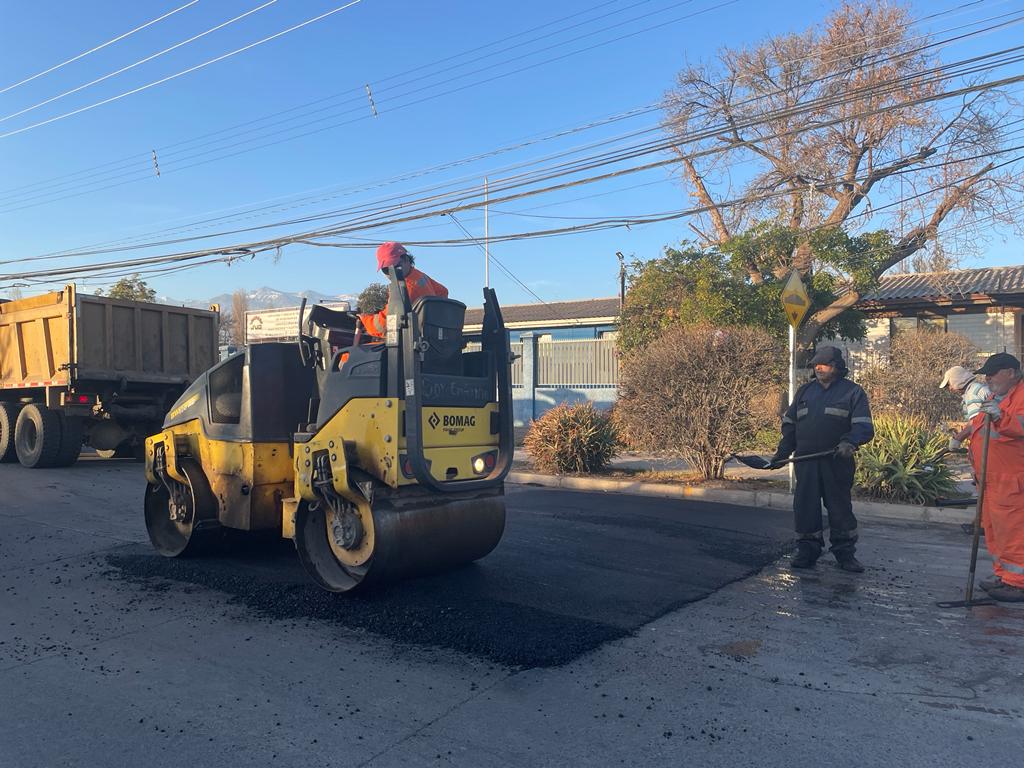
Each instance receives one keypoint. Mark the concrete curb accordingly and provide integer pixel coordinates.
(763, 499)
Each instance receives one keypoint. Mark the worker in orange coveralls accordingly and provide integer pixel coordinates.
(417, 285)
(1003, 515)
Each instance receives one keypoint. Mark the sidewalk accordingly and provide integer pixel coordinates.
(773, 494)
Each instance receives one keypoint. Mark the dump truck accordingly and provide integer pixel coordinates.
(378, 458)
(77, 369)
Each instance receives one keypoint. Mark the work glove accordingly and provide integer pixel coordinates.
(991, 408)
(845, 450)
(954, 444)
(776, 461)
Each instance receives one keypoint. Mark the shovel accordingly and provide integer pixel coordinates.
(969, 601)
(757, 462)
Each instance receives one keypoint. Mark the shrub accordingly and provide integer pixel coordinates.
(572, 438)
(903, 461)
(909, 382)
(700, 393)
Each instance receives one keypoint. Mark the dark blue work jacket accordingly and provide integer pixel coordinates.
(819, 419)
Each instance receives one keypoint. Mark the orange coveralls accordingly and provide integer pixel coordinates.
(1003, 515)
(418, 285)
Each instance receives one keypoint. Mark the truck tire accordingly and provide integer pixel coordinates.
(37, 436)
(72, 430)
(8, 418)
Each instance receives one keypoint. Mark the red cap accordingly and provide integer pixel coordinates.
(390, 254)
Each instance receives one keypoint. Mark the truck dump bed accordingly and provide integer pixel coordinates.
(64, 337)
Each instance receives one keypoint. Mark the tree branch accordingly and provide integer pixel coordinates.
(910, 243)
(700, 191)
(917, 238)
(858, 192)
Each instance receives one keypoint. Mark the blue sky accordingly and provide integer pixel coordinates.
(332, 60)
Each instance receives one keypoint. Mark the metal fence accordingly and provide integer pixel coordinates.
(577, 364)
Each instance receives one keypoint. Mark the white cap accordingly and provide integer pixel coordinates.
(956, 377)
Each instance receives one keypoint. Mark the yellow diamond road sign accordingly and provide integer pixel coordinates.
(795, 301)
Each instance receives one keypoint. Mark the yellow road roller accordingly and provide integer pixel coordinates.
(380, 459)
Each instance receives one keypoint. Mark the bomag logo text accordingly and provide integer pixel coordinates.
(458, 421)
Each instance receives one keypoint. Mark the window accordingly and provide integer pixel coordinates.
(937, 324)
(226, 391)
(898, 325)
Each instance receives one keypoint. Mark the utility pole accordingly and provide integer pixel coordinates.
(622, 280)
(487, 240)
(795, 303)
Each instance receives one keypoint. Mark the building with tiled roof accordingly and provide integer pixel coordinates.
(985, 305)
(959, 288)
(557, 320)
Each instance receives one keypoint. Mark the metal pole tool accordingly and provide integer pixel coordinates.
(969, 601)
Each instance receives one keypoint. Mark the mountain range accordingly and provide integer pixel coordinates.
(263, 298)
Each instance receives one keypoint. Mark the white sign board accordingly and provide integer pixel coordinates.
(280, 324)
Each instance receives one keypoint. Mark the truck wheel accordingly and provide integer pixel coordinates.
(8, 418)
(71, 433)
(37, 436)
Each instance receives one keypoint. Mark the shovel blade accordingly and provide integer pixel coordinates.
(754, 462)
(966, 603)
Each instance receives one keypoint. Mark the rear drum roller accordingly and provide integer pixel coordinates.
(182, 519)
(8, 418)
(342, 547)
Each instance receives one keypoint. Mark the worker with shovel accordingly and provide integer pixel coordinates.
(828, 414)
(1002, 418)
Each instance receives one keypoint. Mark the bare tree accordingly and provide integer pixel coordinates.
(239, 306)
(842, 126)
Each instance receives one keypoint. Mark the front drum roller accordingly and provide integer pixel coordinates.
(182, 519)
(342, 546)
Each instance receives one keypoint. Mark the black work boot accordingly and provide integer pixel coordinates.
(807, 554)
(848, 562)
(993, 582)
(1007, 593)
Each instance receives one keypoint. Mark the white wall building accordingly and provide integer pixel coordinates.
(985, 305)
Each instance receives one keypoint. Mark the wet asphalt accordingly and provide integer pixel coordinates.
(604, 630)
(572, 571)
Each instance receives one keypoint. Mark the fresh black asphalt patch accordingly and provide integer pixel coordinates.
(573, 571)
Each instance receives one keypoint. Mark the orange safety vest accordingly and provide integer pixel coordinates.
(418, 285)
(1003, 515)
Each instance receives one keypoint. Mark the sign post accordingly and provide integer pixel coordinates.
(795, 303)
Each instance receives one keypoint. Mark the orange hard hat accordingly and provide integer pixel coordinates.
(390, 254)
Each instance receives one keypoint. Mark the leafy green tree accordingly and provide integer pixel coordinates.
(132, 288)
(373, 298)
(740, 282)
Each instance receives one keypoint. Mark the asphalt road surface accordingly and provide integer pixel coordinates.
(604, 630)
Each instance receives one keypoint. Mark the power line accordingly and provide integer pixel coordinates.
(149, 58)
(360, 111)
(248, 123)
(233, 253)
(933, 44)
(803, 108)
(100, 47)
(198, 259)
(166, 150)
(183, 72)
(645, 149)
(491, 256)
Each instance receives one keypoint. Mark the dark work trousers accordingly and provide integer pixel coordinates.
(828, 480)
